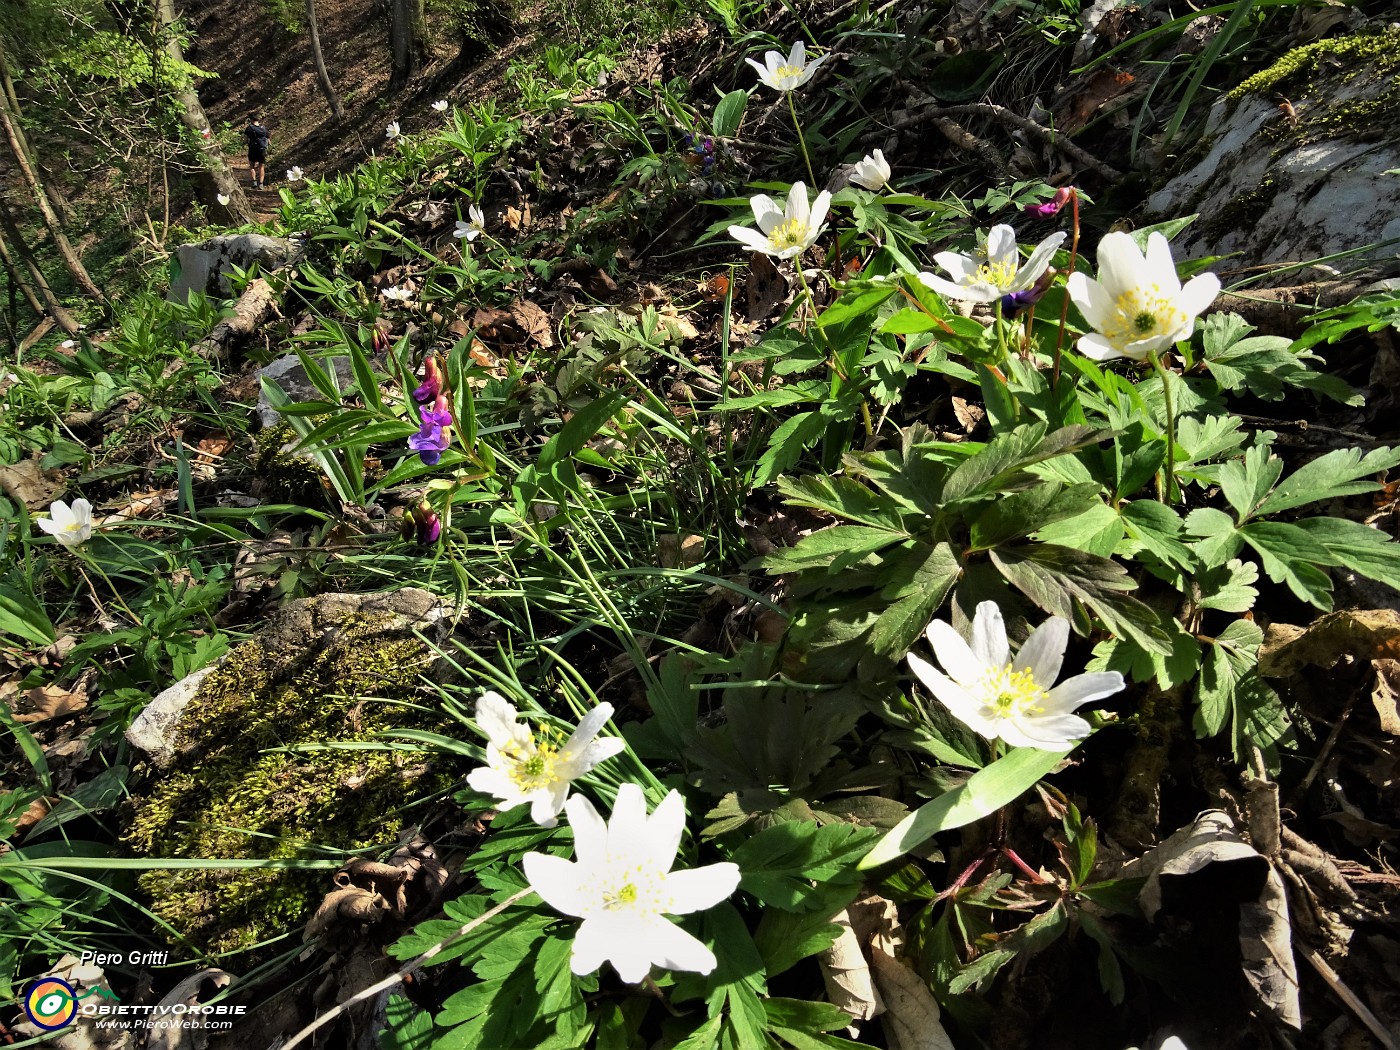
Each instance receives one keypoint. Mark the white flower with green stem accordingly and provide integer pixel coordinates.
(995, 270)
(787, 75)
(872, 171)
(538, 768)
(1016, 701)
(392, 131)
(70, 526)
(1137, 308)
(787, 231)
(621, 885)
(473, 227)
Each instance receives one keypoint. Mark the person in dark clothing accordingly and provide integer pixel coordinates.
(258, 140)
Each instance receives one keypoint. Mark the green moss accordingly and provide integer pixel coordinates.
(1343, 61)
(284, 477)
(228, 800)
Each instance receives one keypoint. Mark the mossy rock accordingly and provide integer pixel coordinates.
(1279, 184)
(326, 669)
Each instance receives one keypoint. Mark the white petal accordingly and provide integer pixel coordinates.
(1053, 733)
(751, 239)
(1015, 735)
(590, 832)
(589, 727)
(592, 943)
(1096, 348)
(797, 204)
(494, 782)
(961, 704)
(49, 525)
(498, 718)
(1138, 349)
(943, 287)
(1038, 262)
(630, 944)
(1161, 271)
(1091, 299)
(548, 803)
(1001, 246)
(1199, 293)
(61, 514)
(1044, 651)
(989, 644)
(798, 55)
(696, 889)
(960, 267)
(575, 764)
(956, 656)
(81, 510)
(1075, 692)
(664, 829)
(766, 212)
(673, 948)
(817, 216)
(558, 882)
(628, 831)
(1121, 265)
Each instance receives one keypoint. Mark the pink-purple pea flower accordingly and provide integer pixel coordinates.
(431, 386)
(432, 439)
(1052, 206)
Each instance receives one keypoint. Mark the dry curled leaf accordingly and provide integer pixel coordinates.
(51, 702)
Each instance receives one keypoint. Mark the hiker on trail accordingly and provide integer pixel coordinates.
(258, 138)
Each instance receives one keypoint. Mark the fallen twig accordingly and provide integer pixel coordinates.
(1349, 997)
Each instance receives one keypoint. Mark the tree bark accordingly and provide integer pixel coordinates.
(55, 228)
(405, 16)
(14, 269)
(215, 175)
(11, 100)
(322, 74)
(52, 307)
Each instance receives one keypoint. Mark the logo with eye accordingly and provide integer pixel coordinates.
(51, 1003)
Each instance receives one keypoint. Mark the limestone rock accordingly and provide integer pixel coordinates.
(289, 374)
(1280, 186)
(205, 267)
(152, 730)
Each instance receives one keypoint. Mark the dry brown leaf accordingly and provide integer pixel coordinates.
(51, 702)
(911, 1019)
(534, 322)
(1370, 634)
(766, 289)
(26, 482)
(185, 1031)
(1385, 693)
(679, 551)
(968, 415)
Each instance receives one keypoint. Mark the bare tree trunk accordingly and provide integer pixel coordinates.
(55, 228)
(11, 100)
(51, 306)
(14, 270)
(405, 16)
(215, 176)
(322, 74)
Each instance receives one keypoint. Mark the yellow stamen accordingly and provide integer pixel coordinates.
(789, 234)
(788, 71)
(999, 274)
(1009, 694)
(1141, 313)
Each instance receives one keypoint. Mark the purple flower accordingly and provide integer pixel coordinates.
(431, 440)
(431, 386)
(431, 529)
(1015, 303)
(1053, 205)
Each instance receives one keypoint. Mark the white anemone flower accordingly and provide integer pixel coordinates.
(994, 270)
(71, 526)
(392, 131)
(397, 294)
(786, 74)
(294, 174)
(787, 231)
(872, 171)
(1016, 701)
(1171, 1043)
(440, 106)
(471, 229)
(519, 768)
(622, 887)
(223, 199)
(1137, 306)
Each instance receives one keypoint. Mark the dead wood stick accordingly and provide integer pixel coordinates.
(404, 971)
(254, 307)
(1078, 154)
(1349, 997)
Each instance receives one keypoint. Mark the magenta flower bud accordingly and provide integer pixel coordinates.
(1016, 303)
(1053, 205)
(430, 531)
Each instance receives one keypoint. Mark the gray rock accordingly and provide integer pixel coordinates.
(205, 267)
(1278, 188)
(152, 731)
(305, 626)
(288, 373)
